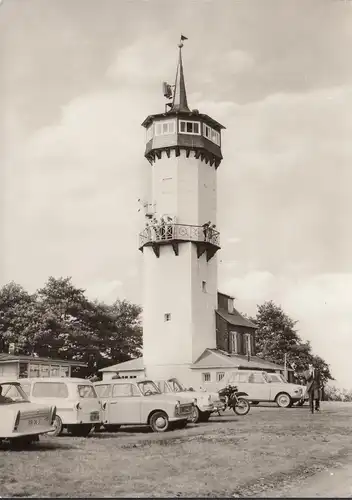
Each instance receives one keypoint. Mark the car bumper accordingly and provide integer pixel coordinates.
(181, 417)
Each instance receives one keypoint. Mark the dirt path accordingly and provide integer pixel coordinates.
(333, 482)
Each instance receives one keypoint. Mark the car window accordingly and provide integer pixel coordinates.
(148, 388)
(11, 393)
(135, 390)
(175, 385)
(50, 390)
(256, 378)
(26, 388)
(239, 377)
(122, 391)
(103, 391)
(86, 391)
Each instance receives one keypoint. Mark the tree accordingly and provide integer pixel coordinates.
(276, 336)
(59, 321)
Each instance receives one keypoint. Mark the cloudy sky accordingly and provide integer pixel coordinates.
(79, 76)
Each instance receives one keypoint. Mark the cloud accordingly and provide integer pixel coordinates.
(321, 303)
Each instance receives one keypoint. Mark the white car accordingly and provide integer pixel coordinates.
(78, 408)
(22, 422)
(267, 387)
(140, 402)
(205, 403)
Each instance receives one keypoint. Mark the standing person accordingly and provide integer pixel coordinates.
(313, 388)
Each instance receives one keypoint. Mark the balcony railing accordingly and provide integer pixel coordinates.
(163, 233)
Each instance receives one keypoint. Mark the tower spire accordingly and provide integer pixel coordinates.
(179, 102)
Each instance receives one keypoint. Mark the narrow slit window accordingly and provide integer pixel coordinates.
(167, 317)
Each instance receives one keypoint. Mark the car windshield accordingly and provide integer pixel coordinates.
(12, 393)
(86, 391)
(175, 385)
(148, 388)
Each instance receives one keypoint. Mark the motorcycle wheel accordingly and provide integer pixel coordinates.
(241, 407)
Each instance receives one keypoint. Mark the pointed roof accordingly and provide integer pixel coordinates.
(179, 102)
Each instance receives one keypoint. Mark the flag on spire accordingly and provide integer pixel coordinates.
(183, 38)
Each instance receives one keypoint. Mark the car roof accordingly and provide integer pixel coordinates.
(6, 380)
(55, 379)
(122, 381)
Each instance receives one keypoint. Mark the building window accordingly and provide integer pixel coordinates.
(165, 127)
(206, 377)
(211, 134)
(220, 376)
(204, 286)
(187, 127)
(247, 344)
(23, 370)
(234, 342)
(34, 371)
(167, 317)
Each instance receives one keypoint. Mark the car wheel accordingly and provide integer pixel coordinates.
(80, 430)
(204, 416)
(112, 428)
(283, 400)
(159, 422)
(196, 415)
(181, 424)
(58, 427)
(23, 442)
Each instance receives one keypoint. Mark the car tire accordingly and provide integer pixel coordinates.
(181, 424)
(283, 400)
(196, 415)
(112, 428)
(58, 428)
(204, 416)
(159, 422)
(82, 430)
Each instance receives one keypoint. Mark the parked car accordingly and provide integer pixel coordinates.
(205, 403)
(264, 387)
(140, 402)
(78, 408)
(22, 422)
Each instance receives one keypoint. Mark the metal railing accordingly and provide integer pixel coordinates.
(167, 232)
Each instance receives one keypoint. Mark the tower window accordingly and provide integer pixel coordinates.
(149, 133)
(165, 127)
(167, 317)
(204, 286)
(211, 134)
(188, 127)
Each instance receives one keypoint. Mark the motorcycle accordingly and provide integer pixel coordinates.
(234, 399)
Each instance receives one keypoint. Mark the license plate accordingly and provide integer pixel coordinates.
(94, 417)
(34, 421)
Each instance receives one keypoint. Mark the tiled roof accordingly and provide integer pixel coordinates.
(126, 366)
(215, 358)
(235, 318)
(24, 358)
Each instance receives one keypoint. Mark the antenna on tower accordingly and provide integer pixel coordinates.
(167, 90)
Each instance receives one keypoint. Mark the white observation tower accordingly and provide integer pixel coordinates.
(180, 239)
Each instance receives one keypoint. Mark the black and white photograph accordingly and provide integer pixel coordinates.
(175, 248)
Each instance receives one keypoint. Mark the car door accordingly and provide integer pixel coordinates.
(124, 407)
(259, 389)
